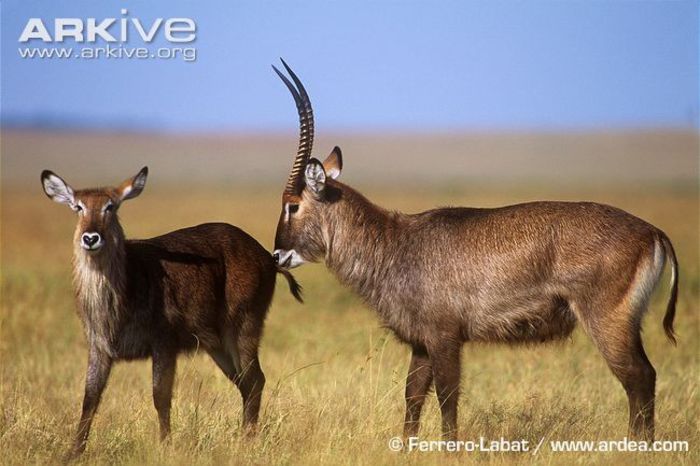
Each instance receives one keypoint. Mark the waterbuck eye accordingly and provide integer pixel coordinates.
(293, 208)
(78, 208)
(109, 207)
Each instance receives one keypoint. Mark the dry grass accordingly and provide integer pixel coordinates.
(335, 378)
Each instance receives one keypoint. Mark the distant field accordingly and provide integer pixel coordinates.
(427, 159)
(335, 377)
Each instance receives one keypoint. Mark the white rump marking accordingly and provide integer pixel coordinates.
(647, 277)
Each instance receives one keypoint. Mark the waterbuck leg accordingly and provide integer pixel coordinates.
(640, 384)
(250, 381)
(420, 376)
(164, 363)
(99, 367)
(633, 369)
(620, 343)
(445, 361)
(225, 363)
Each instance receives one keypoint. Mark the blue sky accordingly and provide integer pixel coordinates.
(393, 65)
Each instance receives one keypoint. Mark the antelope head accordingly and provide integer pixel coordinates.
(302, 228)
(96, 208)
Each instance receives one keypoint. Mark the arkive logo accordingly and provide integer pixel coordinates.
(110, 30)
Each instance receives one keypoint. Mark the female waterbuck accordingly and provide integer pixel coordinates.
(208, 286)
(521, 273)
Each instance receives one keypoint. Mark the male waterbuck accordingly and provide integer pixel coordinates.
(207, 286)
(521, 273)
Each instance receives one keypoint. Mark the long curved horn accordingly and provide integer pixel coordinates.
(306, 128)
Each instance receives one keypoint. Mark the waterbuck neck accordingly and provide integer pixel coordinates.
(362, 245)
(100, 285)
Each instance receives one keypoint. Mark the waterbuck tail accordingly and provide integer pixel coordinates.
(671, 307)
(294, 286)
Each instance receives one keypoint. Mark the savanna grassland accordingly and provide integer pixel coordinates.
(335, 378)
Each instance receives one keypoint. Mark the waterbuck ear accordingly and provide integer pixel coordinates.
(57, 189)
(315, 177)
(132, 187)
(333, 164)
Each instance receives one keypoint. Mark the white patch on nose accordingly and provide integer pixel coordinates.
(288, 259)
(91, 241)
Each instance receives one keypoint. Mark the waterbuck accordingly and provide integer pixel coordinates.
(207, 286)
(521, 273)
